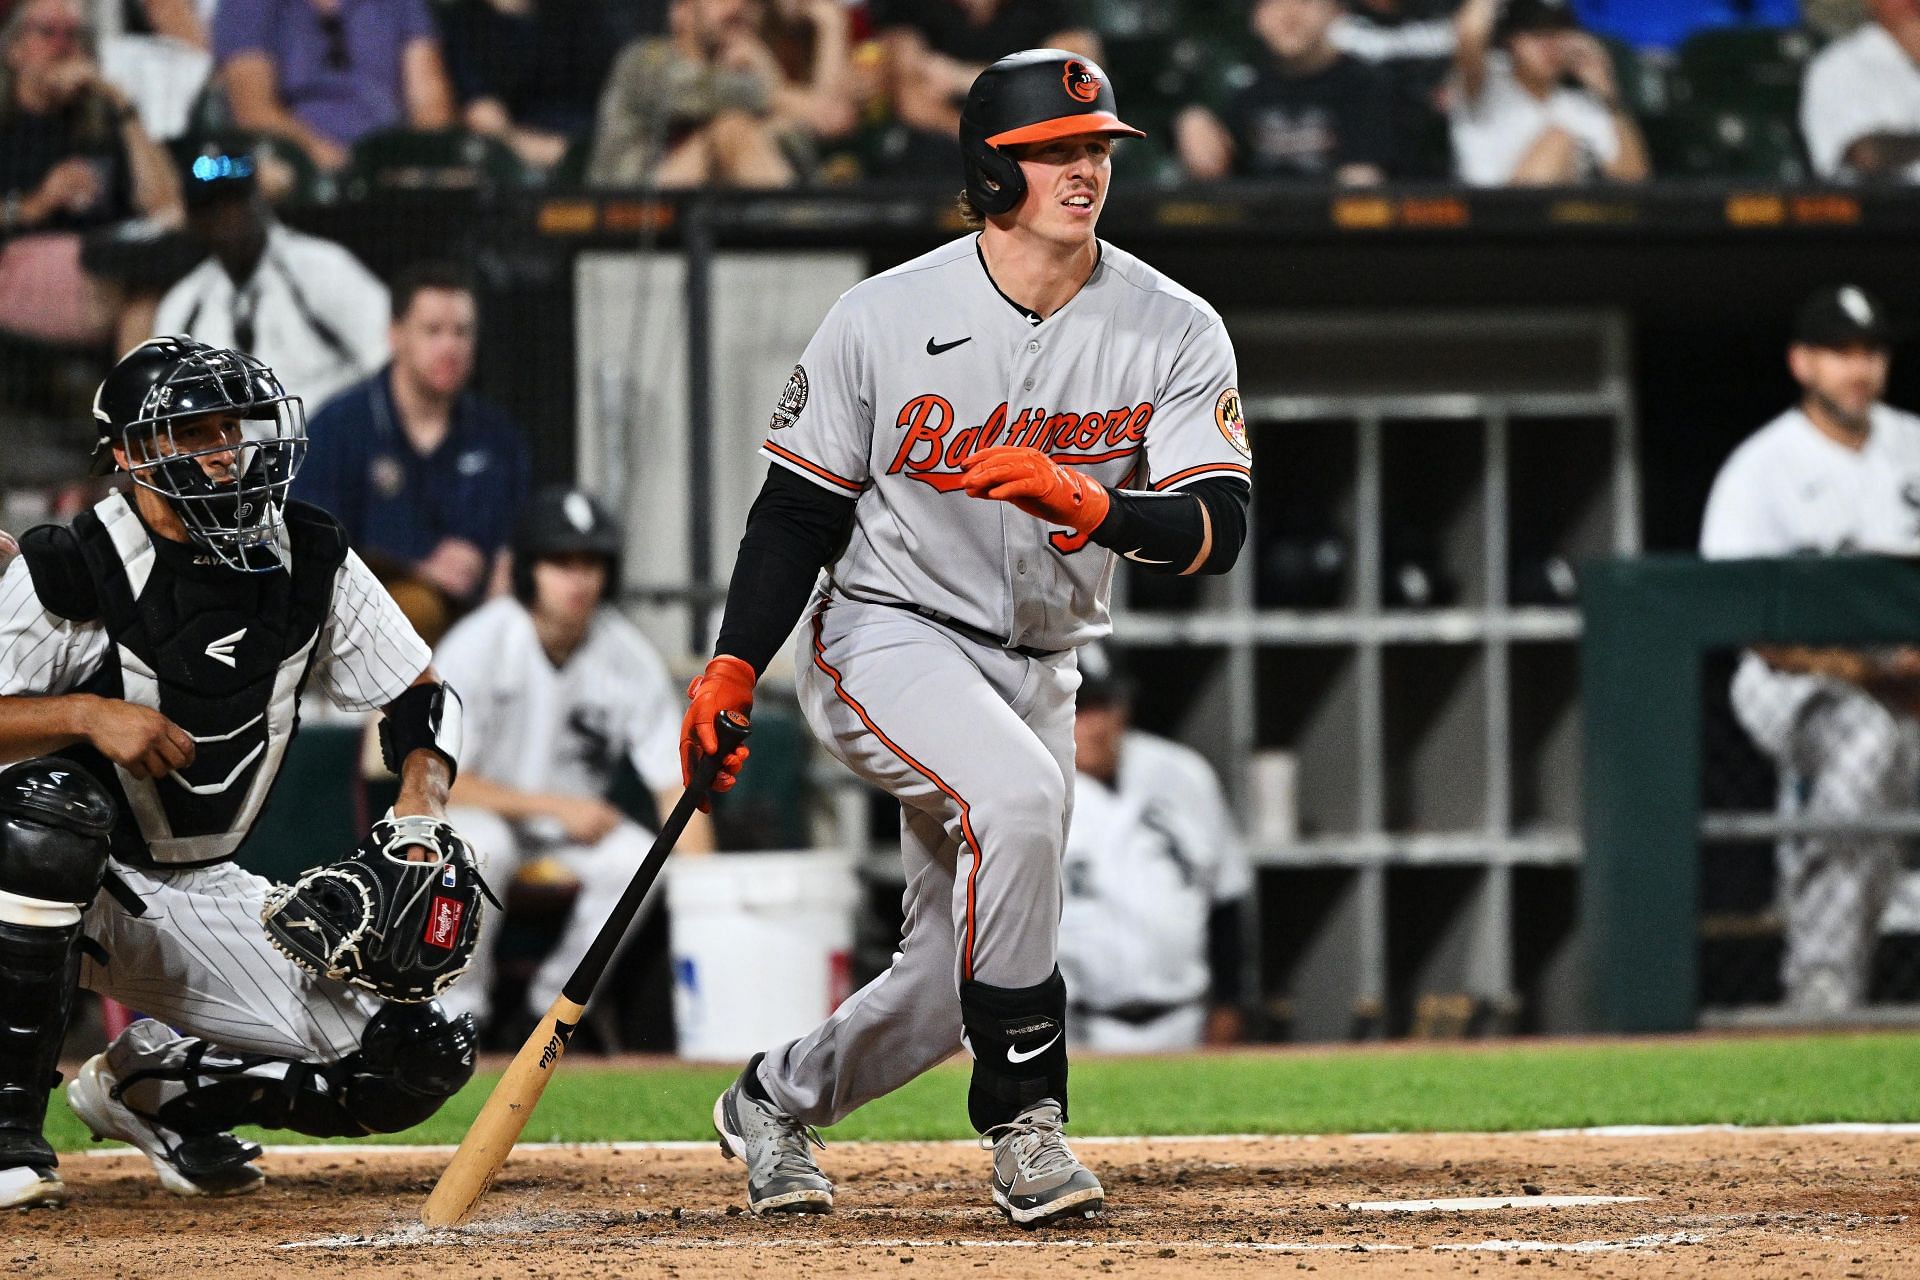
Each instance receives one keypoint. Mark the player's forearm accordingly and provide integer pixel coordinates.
(37, 726)
(1835, 664)
(1879, 154)
(424, 785)
(1199, 529)
(794, 529)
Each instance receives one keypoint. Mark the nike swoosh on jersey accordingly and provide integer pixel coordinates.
(1014, 1055)
(935, 348)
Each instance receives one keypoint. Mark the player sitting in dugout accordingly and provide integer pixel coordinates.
(1156, 881)
(558, 689)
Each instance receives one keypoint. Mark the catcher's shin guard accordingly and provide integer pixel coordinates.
(1018, 1036)
(54, 821)
(411, 1059)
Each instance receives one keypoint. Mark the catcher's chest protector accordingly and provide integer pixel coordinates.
(222, 654)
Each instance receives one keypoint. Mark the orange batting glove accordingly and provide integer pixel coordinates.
(726, 685)
(1038, 485)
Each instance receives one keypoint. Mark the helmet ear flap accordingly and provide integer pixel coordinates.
(994, 181)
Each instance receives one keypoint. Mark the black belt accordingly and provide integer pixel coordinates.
(1135, 1013)
(967, 629)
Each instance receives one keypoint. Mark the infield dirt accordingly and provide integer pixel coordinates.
(1751, 1204)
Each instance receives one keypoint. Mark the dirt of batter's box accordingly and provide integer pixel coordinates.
(1752, 1205)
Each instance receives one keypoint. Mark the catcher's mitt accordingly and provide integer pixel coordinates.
(402, 930)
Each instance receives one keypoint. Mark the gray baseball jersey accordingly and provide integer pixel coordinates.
(912, 371)
(1132, 382)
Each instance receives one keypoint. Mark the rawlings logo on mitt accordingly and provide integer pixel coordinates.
(401, 929)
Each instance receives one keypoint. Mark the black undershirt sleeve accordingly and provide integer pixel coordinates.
(1163, 532)
(1225, 952)
(794, 528)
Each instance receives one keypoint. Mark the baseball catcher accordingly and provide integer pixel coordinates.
(152, 656)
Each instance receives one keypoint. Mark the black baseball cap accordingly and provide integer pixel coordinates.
(1535, 15)
(1843, 316)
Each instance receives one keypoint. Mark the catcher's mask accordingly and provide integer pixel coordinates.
(211, 431)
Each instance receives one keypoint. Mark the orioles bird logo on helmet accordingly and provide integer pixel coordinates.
(1082, 84)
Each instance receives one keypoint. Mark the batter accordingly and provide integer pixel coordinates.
(965, 445)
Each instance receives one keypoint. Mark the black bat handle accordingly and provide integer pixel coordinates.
(732, 730)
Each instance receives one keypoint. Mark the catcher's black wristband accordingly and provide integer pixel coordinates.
(1164, 532)
(425, 717)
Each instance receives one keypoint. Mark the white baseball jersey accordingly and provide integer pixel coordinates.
(1147, 860)
(531, 725)
(1859, 85)
(367, 654)
(1789, 489)
(1132, 381)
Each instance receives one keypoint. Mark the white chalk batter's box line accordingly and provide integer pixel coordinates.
(416, 1237)
(1602, 1131)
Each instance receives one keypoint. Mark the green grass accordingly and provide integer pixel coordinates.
(1742, 1080)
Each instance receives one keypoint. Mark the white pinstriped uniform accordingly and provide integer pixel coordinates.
(198, 959)
(537, 727)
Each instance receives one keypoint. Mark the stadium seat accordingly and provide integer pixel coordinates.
(1725, 143)
(1644, 78)
(438, 161)
(1750, 68)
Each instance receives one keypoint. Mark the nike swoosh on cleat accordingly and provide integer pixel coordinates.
(935, 348)
(1014, 1055)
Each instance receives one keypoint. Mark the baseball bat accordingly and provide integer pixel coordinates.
(508, 1108)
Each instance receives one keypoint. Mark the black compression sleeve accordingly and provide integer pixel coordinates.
(1163, 532)
(1225, 951)
(794, 528)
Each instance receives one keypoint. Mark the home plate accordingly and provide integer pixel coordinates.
(1469, 1204)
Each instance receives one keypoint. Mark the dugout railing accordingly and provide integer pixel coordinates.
(1672, 831)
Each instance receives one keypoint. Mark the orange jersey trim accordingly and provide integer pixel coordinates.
(1223, 468)
(814, 468)
(966, 810)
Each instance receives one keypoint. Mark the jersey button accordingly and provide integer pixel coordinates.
(1019, 566)
(1033, 346)
(1027, 385)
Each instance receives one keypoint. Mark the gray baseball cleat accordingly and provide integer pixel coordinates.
(210, 1164)
(1036, 1178)
(781, 1174)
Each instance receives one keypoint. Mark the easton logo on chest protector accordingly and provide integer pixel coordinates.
(931, 450)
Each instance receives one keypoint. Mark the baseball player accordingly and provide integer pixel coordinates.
(1156, 877)
(1840, 472)
(966, 444)
(153, 652)
(557, 687)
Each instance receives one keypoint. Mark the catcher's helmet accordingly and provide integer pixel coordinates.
(562, 521)
(1034, 96)
(166, 382)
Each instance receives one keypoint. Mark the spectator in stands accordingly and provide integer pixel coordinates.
(1839, 473)
(304, 305)
(326, 73)
(933, 49)
(74, 161)
(1860, 106)
(1535, 103)
(1312, 113)
(528, 72)
(702, 105)
(1412, 43)
(427, 477)
(1155, 884)
(158, 53)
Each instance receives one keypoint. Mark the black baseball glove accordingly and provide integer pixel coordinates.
(401, 929)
